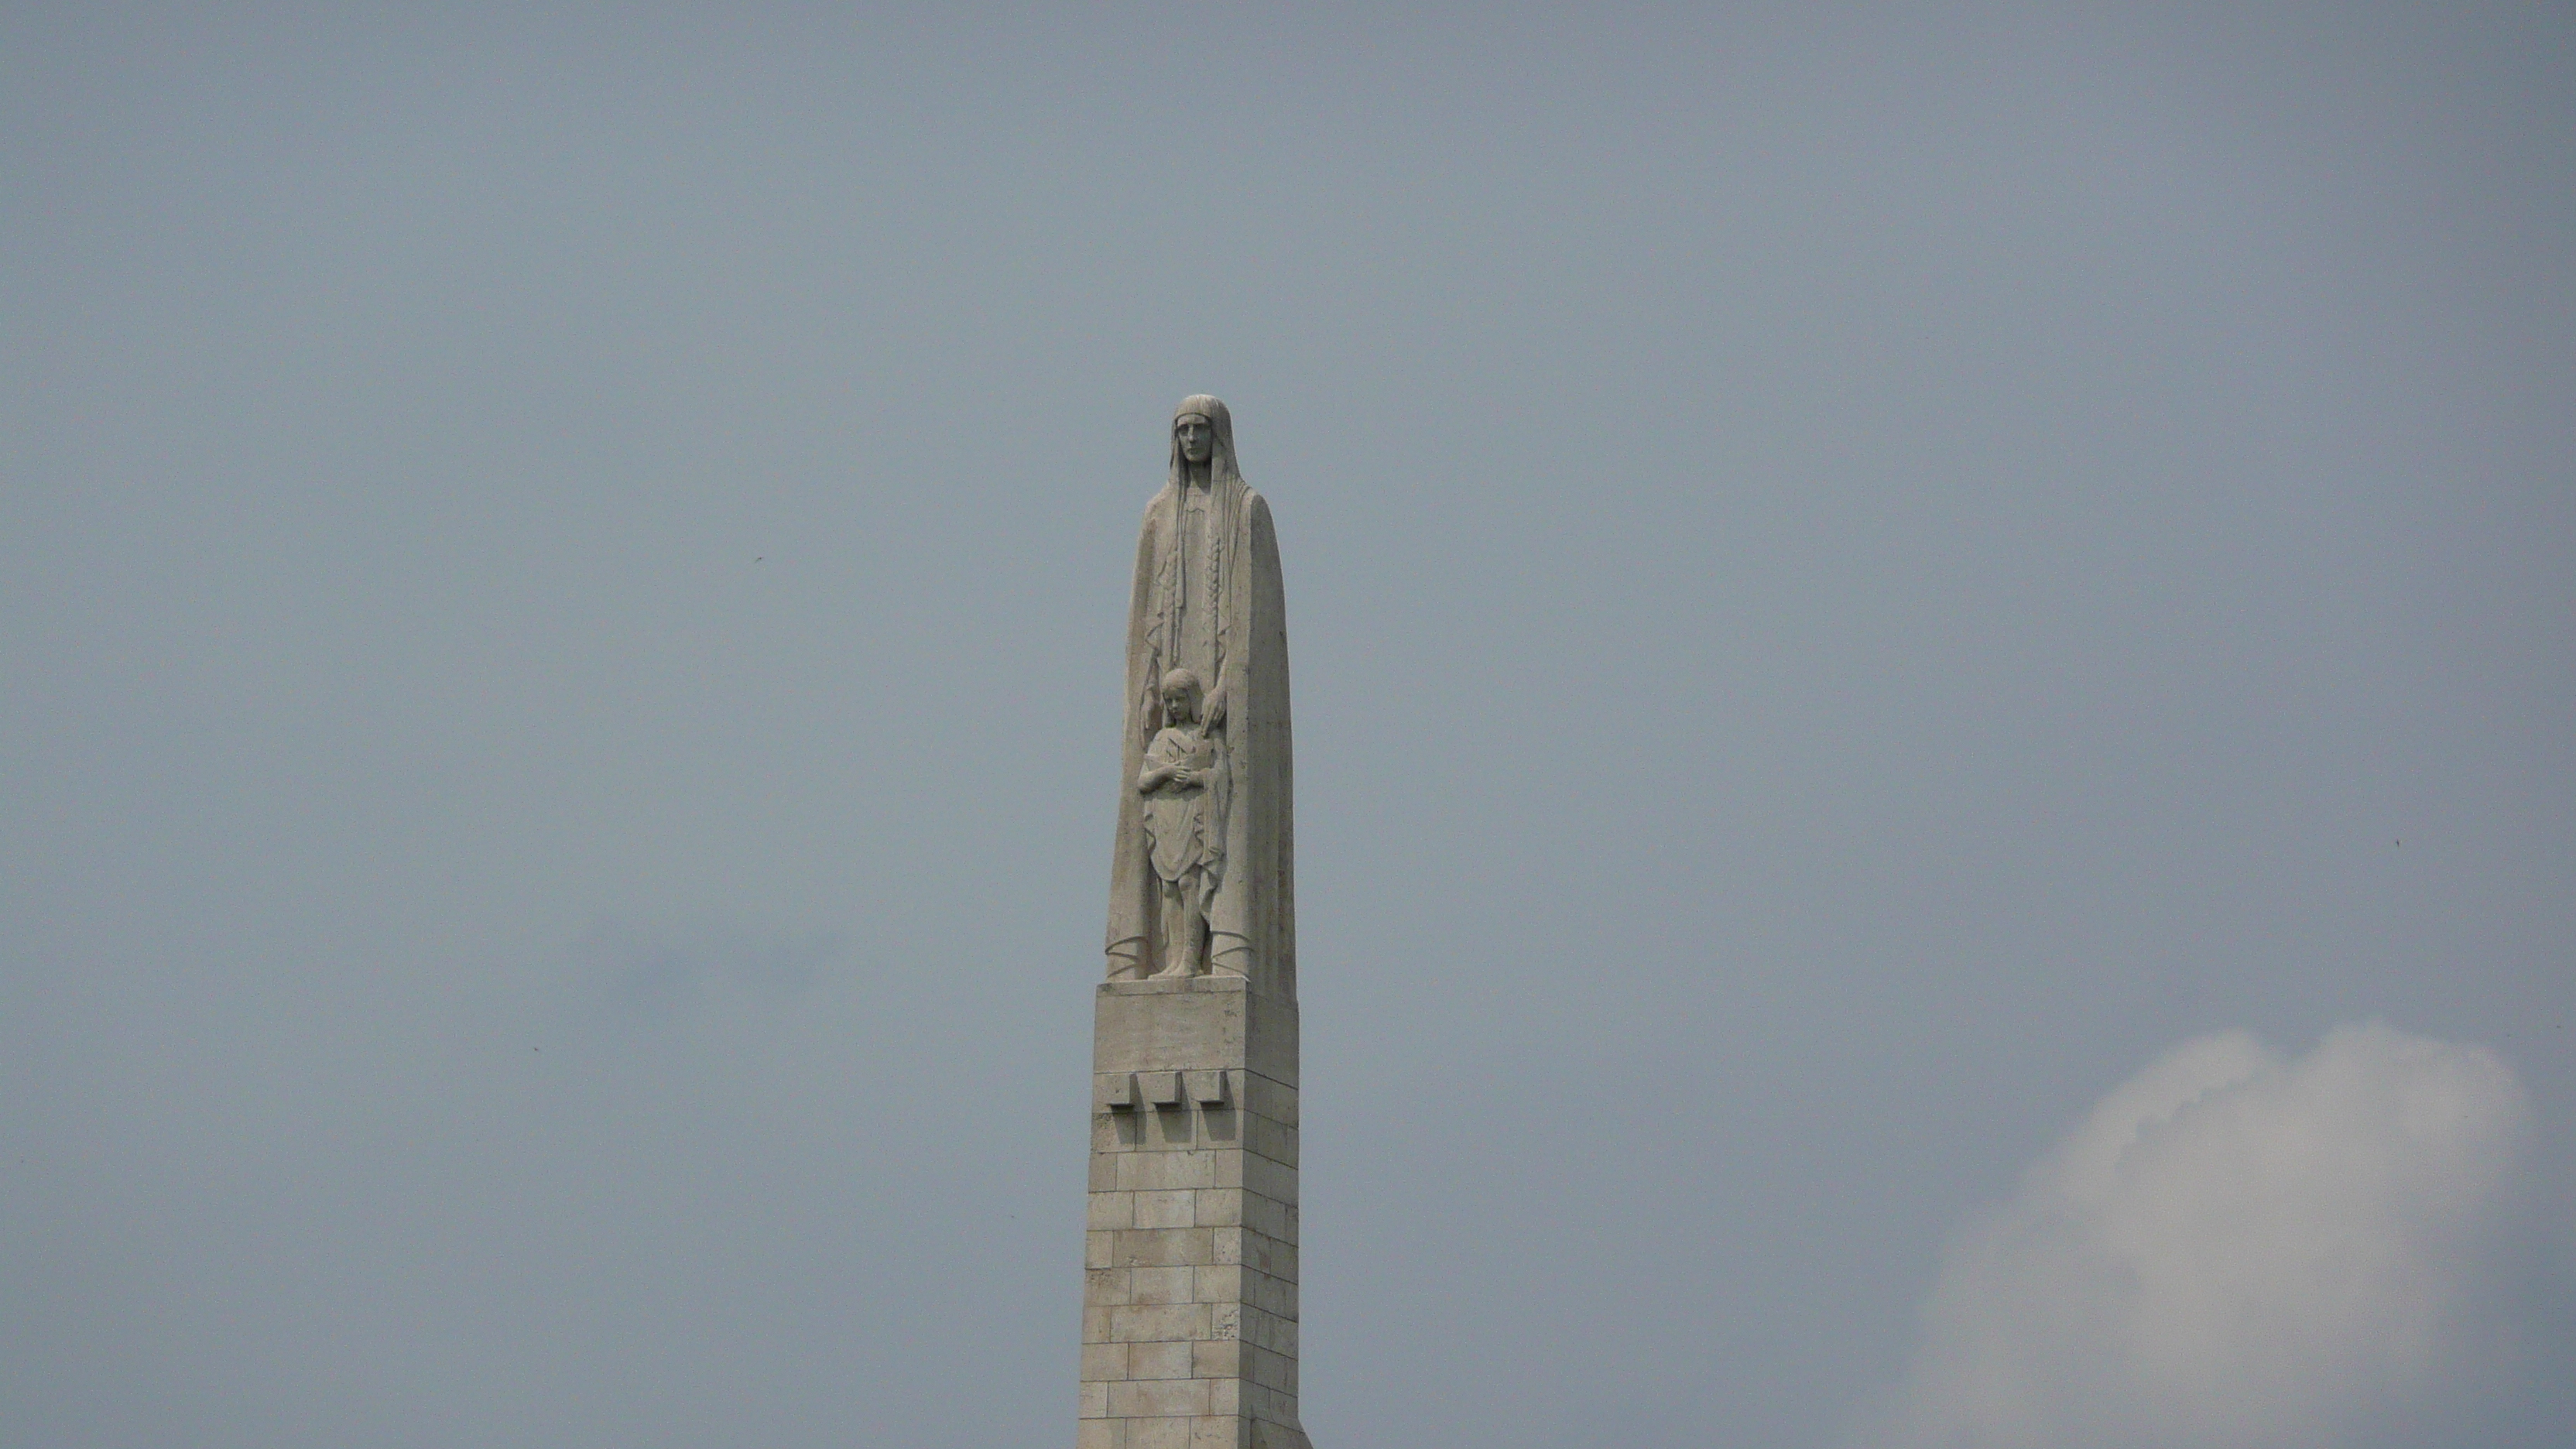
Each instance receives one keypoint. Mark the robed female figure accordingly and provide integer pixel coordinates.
(1207, 599)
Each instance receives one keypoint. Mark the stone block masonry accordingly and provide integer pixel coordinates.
(1189, 1305)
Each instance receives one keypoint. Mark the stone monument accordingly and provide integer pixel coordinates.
(1189, 1305)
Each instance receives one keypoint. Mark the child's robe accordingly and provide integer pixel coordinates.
(1186, 823)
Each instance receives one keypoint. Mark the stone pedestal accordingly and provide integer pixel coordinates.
(1189, 1305)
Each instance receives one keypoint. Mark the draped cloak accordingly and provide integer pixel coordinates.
(1207, 598)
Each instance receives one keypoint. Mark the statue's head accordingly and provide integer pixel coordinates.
(1180, 691)
(1203, 437)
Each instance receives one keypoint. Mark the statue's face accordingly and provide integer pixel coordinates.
(1198, 437)
(1176, 704)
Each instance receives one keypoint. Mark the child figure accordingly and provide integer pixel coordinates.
(1184, 785)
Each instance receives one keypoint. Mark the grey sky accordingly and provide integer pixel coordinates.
(1856, 576)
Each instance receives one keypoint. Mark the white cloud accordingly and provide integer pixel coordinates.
(2234, 1249)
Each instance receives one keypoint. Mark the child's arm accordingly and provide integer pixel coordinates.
(1154, 776)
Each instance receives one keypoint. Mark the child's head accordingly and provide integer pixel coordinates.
(1180, 697)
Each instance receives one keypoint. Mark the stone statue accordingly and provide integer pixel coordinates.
(1184, 785)
(1207, 601)
(1190, 1325)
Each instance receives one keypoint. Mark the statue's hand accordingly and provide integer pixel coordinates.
(1214, 714)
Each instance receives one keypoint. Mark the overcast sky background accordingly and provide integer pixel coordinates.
(1859, 578)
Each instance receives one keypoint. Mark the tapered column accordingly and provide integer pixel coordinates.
(1189, 1318)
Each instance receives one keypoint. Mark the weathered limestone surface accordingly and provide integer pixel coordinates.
(1189, 1305)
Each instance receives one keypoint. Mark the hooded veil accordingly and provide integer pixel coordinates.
(1207, 598)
